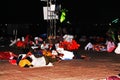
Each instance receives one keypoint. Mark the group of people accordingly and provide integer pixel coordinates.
(109, 46)
(33, 55)
(37, 53)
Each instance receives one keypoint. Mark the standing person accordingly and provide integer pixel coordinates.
(111, 34)
(118, 36)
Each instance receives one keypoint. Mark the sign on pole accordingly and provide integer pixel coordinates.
(49, 13)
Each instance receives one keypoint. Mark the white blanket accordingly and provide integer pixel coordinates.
(67, 55)
(117, 50)
(37, 62)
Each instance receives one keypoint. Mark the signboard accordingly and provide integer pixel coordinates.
(49, 13)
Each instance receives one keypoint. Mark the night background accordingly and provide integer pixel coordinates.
(85, 17)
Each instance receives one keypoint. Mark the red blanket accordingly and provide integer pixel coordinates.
(4, 55)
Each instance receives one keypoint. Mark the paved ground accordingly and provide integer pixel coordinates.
(99, 66)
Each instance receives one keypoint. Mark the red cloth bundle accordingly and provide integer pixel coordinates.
(4, 55)
(70, 45)
(20, 44)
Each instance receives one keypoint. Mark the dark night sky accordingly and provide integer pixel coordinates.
(28, 11)
(94, 11)
(79, 11)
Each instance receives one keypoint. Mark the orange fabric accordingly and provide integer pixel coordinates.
(70, 45)
(46, 53)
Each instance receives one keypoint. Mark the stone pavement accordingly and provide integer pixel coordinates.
(98, 67)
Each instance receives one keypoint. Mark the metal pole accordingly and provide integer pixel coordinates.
(55, 28)
(47, 18)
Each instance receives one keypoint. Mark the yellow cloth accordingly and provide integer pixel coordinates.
(24, 62)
